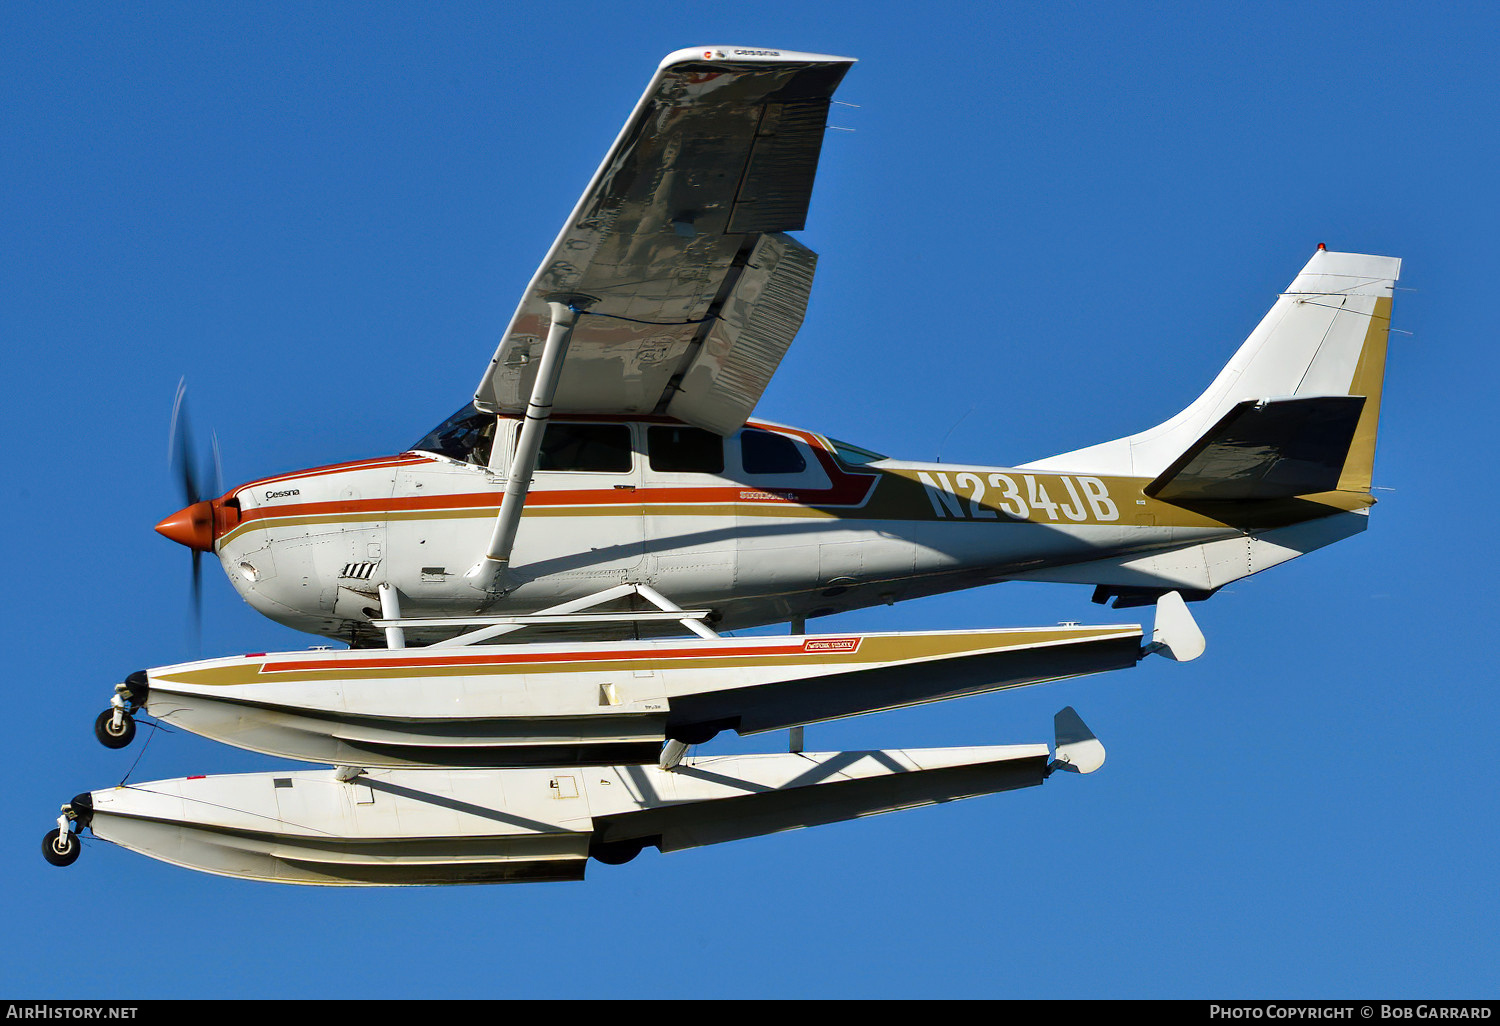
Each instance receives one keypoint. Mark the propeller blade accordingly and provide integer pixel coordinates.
(176, 412)
(218, 465)
(180, 447)
(193, 479)
(197, 599)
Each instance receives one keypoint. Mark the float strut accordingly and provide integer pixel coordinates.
(671, 753)
(390, 609)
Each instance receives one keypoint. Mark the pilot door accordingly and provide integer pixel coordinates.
(583, 519)
(443, 514)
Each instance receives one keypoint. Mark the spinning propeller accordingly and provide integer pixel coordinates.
(193, 525)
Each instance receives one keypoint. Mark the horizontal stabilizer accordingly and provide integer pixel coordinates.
(1265, 449)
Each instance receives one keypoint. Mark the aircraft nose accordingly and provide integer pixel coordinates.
(192, 526)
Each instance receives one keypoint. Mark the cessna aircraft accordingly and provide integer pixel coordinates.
(615, 415)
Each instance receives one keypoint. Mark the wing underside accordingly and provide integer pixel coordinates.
(676, 253)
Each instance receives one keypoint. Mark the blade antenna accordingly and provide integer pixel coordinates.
(954, 428)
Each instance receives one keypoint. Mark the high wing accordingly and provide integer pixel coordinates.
(687, 289)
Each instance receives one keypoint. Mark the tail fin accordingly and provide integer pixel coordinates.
(1324, 338)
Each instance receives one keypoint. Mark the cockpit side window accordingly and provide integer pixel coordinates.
(468, 436)
(601, 448)
(685, 450)
(763, 452)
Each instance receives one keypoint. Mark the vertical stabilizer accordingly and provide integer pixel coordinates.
(1325, 336)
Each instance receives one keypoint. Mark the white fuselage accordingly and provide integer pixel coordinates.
(310, 549)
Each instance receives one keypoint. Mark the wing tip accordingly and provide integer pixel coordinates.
(759, 54)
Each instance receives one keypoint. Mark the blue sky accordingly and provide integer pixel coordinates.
(1051, 225)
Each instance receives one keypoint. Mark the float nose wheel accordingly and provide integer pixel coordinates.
(61, 846)
(115, 726)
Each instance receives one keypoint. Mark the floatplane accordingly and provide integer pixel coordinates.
(607, 495)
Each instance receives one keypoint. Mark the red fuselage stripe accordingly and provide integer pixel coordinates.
(572, 497)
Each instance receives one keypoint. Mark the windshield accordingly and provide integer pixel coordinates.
(468, 435)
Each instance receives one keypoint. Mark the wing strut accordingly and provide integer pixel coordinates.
(564, 310)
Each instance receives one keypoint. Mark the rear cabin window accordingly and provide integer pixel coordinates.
(685, 450)
(853, 455)
(603, 448)
(765, 453)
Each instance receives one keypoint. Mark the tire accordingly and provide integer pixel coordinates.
(65, 855)
(617, 853)
(109, 737)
